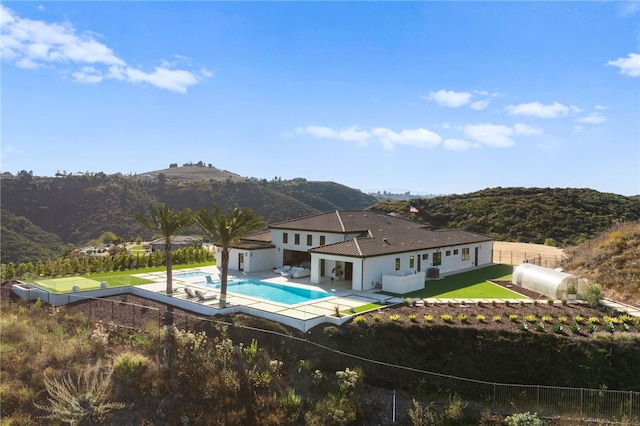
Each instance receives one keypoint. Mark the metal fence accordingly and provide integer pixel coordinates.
(518, 257)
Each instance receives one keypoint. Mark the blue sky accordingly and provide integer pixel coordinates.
(427, 97)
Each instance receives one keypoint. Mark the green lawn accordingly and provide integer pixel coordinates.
(113, 279)
(472, 284)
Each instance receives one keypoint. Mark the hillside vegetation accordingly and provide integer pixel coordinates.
(557, 216)
(75, 209)
(612, 260)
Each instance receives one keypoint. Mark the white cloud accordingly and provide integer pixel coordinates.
(536, 109)
(87, 75)
(420, 138)
(30, 44)
(317, 132)
(450, 98)
(458, 145)
(601, 107)
(479, 105)
(628, 66)
(494, 135)
(592, 118)
(526, 130)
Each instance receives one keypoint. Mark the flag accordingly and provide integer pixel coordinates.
(412, 209)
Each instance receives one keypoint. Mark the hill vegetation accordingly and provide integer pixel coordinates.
(554, 216)
(76, 209)
(612, 259)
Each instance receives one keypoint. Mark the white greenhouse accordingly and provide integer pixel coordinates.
(550, 282)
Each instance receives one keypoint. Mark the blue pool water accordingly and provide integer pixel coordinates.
(190, 274)
(285, 294)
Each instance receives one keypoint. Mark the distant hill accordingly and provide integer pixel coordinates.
(192, 172)
(556, 216)
(79, 208)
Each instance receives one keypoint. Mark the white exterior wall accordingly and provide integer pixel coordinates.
(454, 262)
(254, 260)
(276, 239)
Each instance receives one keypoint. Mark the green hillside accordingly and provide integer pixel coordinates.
(562, 216)
(77, 209)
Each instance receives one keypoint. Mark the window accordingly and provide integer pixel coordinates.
(285, 238)
(309, 239)
(465, 253)
(296, 239)
(455, 251)
(425, 256)
(322, 240)
(411, 261)
(437, 258)
(397, 263)
(448, 253)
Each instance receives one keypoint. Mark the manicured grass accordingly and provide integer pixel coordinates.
(362, 308)
(472, 284)
(113, 279)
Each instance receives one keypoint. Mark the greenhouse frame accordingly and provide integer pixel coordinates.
(550, 282)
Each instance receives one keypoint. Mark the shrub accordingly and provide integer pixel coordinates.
(422, 415)
(497, 318)
(592, 328)
(446, 318)
(575, 328)
(360, 319)
(480, 318)
(83, 400)
(129, 367)
(562, 320)
(549, 301)
(530, 318)
(428, 318)
(513, 318)
(626, 318)
(462, 318)
(524, 419)
(578, 319)
(413, 318)
(594, 320)
(394, 317)
(522, 326)
(540, 326)
(547, 318)
(609, 327)
(593, 294)
(563, 301)
(377, 317)
(557, 328)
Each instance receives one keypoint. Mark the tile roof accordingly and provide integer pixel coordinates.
(380, 233)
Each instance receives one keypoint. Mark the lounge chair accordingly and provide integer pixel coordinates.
(190, 293)
(205, 296)
(209, 279)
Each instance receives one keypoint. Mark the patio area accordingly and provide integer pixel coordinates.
(302, 316)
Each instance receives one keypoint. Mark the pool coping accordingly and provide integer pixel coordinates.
(302, 316)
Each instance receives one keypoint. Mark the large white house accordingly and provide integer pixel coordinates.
(362, 248)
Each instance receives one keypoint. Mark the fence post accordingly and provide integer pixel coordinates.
(495, 400)
(581, 400)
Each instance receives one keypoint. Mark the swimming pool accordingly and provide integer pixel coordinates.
(190, 274)
(279, 293)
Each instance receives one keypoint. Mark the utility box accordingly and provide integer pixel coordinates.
(433, 273)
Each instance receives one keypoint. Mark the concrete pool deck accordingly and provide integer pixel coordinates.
(302, 316)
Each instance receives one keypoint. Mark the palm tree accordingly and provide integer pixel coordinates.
(227, 230)
(168, 223)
